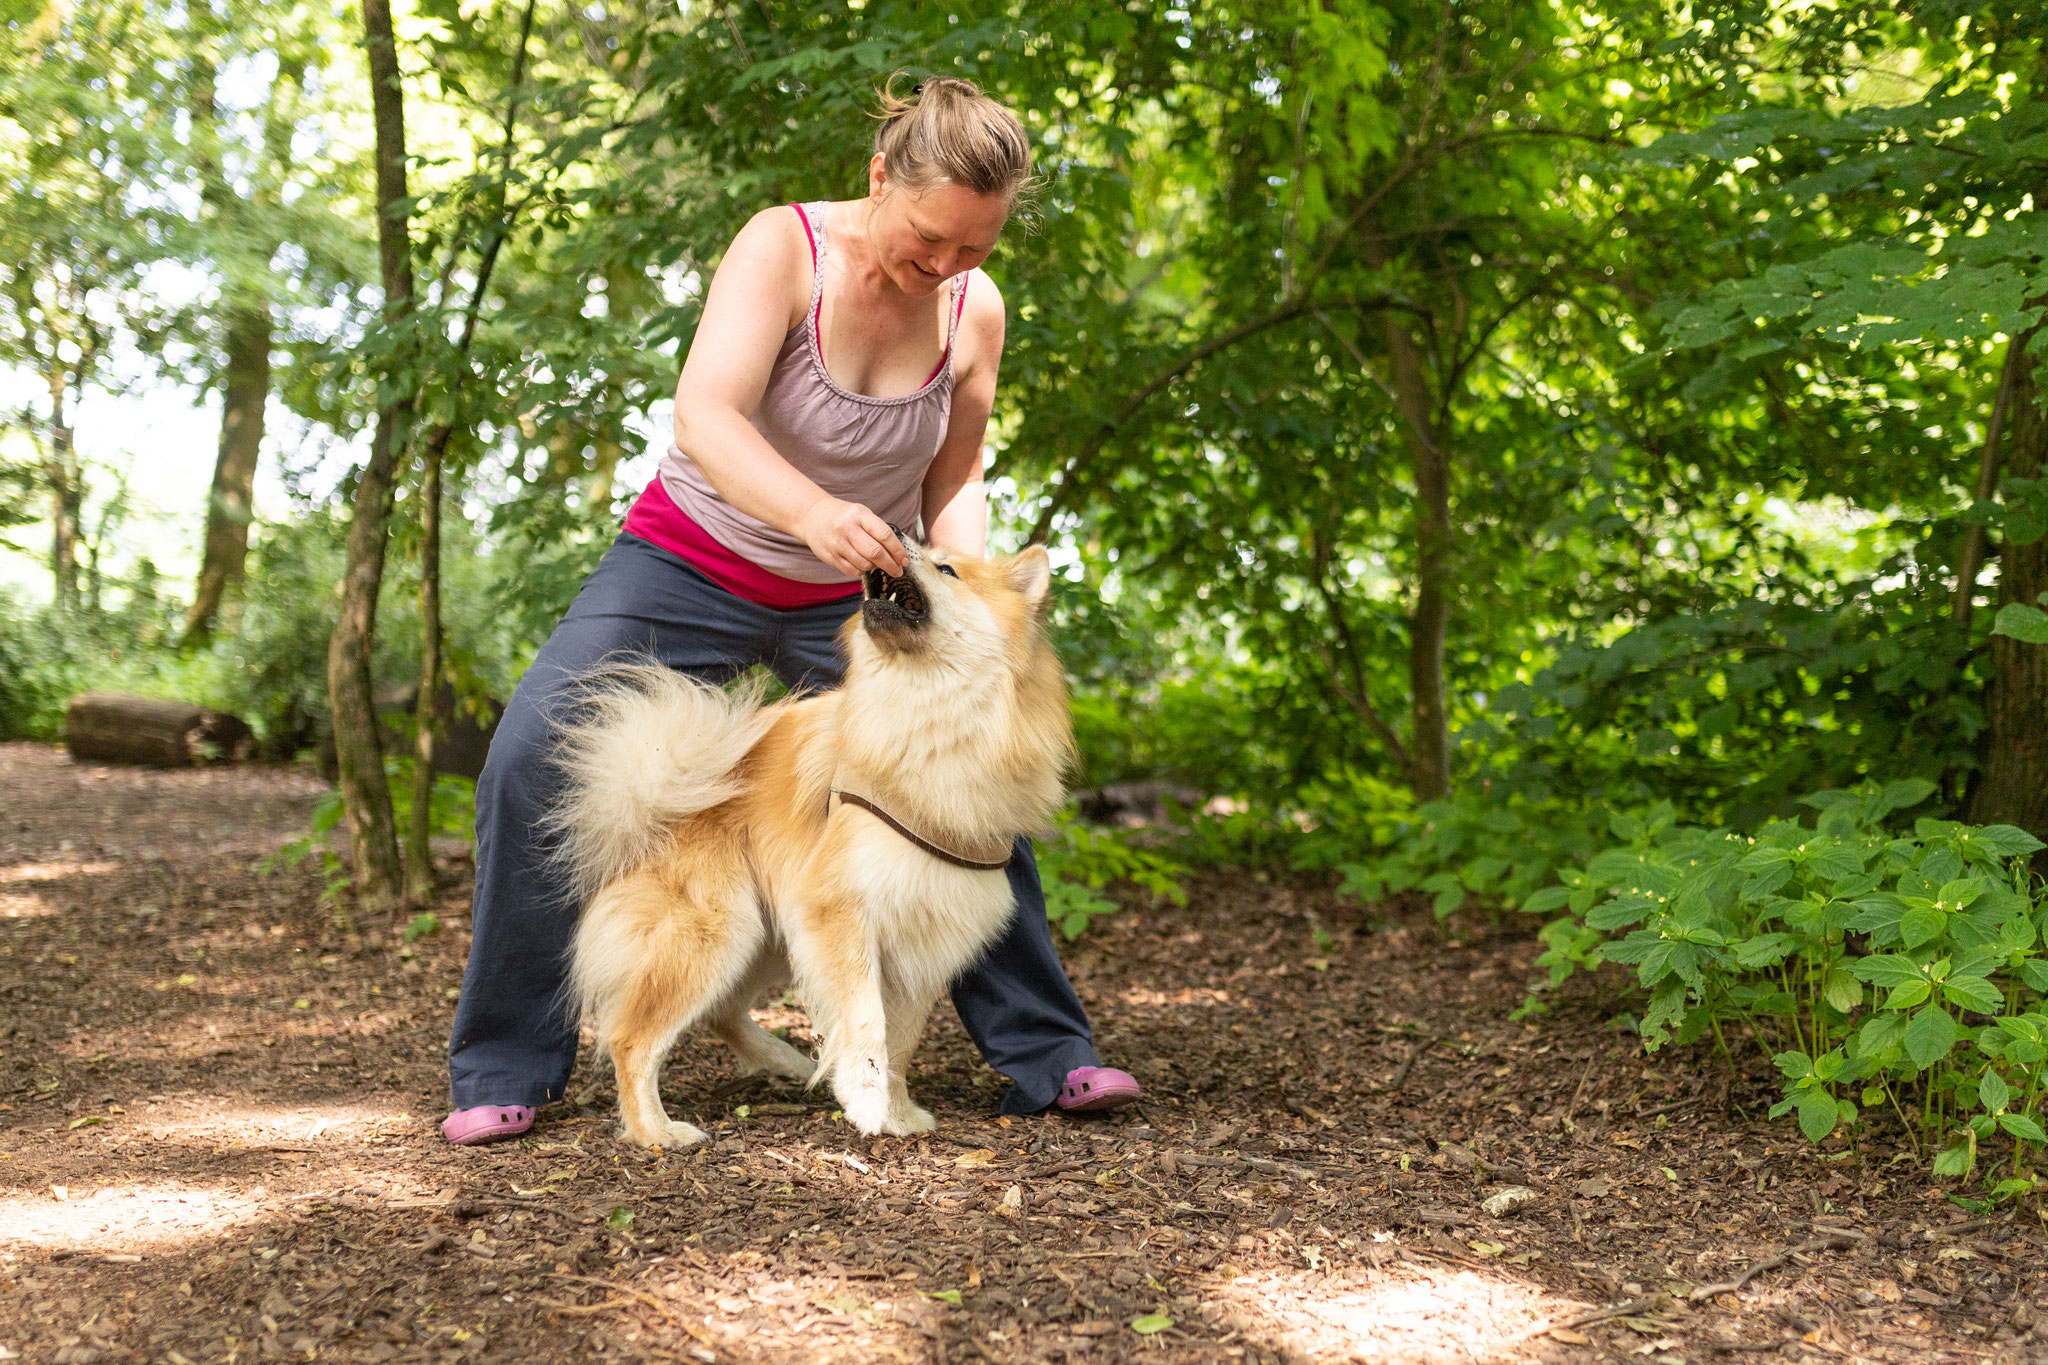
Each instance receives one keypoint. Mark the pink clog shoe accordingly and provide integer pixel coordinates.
(486, 1123)
(1090, 1089)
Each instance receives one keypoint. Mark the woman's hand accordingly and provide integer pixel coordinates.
(851, 538)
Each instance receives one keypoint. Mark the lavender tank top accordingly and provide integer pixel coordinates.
(874, 451)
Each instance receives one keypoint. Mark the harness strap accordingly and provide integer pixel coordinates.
(943, 854)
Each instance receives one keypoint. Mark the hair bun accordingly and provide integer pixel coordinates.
(948, 132)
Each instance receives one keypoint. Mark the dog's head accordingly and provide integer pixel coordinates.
(949, 663)
(954, 609)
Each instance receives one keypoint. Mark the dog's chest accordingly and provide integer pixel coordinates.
(921, 907)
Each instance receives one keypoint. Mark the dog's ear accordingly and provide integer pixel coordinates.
(1031, 572)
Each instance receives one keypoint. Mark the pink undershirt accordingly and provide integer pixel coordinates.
(655, 518)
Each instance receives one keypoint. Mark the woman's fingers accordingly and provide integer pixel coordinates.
(852, 539)
(887, 552)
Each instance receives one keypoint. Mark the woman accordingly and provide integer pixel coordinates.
(840, 380)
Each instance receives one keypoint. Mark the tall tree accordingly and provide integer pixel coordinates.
(242, 234)
(358, 743)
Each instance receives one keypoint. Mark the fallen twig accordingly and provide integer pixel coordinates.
(623, 1296)
(1667, 1108)
(1825, 1242)
(1401, 1077)
(1625, 1309)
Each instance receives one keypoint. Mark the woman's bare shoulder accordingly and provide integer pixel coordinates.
(770, 260)
(982, 321)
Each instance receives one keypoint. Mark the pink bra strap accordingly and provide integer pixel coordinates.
(809, 236)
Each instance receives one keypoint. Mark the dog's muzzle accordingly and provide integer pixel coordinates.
(892, 603)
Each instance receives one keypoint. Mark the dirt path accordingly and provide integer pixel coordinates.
(216, 1145)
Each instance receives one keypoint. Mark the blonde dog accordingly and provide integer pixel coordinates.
(856, 839)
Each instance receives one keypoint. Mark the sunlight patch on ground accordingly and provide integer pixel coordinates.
(130, 1220)
(235, 1126)
(1188, 996)
(16, 905)
(826, 1317)
(49, 872)
(1406, 1314)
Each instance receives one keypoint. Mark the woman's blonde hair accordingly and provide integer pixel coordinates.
(949, 133)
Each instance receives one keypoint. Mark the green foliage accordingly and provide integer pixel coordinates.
(1497, 850)
(1080, 860)
(452, 816)
(1877, 966)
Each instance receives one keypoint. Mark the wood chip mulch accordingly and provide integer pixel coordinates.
(217, 1144)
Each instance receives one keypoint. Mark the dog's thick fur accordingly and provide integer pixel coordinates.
(711, 859)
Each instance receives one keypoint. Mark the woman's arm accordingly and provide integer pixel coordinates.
(752, 304)
(955, 498)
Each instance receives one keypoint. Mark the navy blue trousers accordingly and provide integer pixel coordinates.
(513, 1042)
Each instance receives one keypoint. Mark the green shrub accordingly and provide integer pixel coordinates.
(1876, 967)
(1079, 860)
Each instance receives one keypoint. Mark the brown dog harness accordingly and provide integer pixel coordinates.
(943, 854)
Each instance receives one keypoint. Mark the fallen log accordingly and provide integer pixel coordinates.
(107, 727)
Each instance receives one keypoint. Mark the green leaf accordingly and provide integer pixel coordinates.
(1765, 950)
(1993, 1093)
(1905, 997)
(1836, 862)
(1890, 969)
(1957, 1160)
(1973, 993)
(1930, 1035)
(1619, 913)
(621, 1219)
(1793, 1064)
(1550, 898)
(421, 925)
(1961, 892)
(951, 1296)
(2005, 841)
(1842, 990)
(1921, 924)
(1816, 1114)
(1151, 1323)
(2023, 1126)
(2034, 971)
(1879, 1034)
(2022, 622)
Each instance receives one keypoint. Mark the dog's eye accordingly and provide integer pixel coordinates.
(947, 570)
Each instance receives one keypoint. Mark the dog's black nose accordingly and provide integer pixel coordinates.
(897, 531)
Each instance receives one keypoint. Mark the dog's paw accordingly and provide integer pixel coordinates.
(908, 1120)
(672, 1136)
(867, 1110)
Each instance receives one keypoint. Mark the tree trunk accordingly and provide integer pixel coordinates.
(230, 504)
(2012, 786)
(1429, 751)
(359, 751)
(419, 848)
(66, 484)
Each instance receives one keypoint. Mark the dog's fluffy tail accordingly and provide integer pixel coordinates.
(644, 747)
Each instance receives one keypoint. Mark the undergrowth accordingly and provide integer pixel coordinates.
(1902, 970)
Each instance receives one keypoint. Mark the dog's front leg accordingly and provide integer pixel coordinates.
(841, 983)
(907, 1011)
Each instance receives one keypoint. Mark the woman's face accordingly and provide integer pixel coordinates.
(924, 240)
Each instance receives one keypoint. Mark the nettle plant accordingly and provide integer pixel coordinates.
(1877, 968)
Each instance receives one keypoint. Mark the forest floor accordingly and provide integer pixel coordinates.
(217, 1144)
